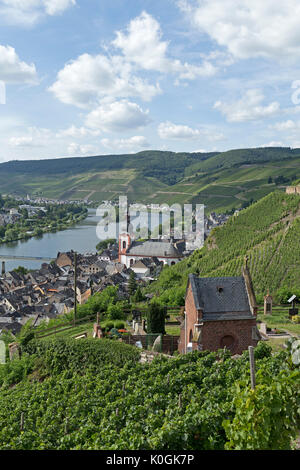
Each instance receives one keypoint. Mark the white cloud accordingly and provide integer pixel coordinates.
(135, 142)
(56, 7)
(288, 125)
(25, 141)
(34, 137)
(89, 78)
(249, 28)
(83, 150)
(169, 130)
(274, 144)
(13, 70)
(248, 108)
(117, 116)
(78, 132)
(142, 44)
(29, 12)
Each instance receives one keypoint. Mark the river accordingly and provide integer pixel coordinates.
(80, 237)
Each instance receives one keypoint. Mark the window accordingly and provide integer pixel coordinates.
(124, 245)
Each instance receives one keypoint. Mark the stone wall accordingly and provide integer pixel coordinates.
(293, 190)
(169, 342)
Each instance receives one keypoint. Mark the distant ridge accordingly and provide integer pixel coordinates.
(220, 180)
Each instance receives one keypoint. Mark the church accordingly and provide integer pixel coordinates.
(167, 252)
(219, 312)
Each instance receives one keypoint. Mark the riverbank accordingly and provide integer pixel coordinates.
(80, 236)
(43, 230)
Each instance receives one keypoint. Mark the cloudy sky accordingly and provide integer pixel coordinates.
(92, 77)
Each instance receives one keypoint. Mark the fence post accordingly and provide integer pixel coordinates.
(179, 402)
(252, 367)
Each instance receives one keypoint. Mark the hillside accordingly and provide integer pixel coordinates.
(221, 181)
(268, 232)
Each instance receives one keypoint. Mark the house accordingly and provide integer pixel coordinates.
(131, 251)
(219, 312)
(146, 267)
(65, 259)
(98, 266)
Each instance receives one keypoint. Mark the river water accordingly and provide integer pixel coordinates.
(80, 237)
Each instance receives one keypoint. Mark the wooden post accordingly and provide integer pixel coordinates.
(252, 367)
(75, 287)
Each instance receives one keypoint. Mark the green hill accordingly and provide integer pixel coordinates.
(268, 232)
(221, 181)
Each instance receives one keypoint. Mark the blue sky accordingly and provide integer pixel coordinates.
(93, 77)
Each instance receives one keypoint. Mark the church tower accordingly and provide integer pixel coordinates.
(124, 244)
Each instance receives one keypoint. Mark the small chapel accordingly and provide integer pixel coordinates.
(219, 312)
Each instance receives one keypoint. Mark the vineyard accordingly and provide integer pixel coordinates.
(268, 232)
(94, 395)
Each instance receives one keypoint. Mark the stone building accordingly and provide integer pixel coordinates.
(293, 189)
(219, 312)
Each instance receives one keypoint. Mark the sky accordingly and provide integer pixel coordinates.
(98, 77)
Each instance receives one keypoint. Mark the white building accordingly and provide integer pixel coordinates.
(131, 251)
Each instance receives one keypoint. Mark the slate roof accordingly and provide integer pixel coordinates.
(221, 297)
(152, 248)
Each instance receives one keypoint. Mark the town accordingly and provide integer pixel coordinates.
(43, 294)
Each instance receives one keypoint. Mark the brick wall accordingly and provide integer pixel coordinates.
(192, 318)
(217, 334)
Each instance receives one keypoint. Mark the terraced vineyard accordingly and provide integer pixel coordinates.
(221, 181)
(268, 232)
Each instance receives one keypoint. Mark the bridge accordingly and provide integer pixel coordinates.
(4, 258)
(25, 258)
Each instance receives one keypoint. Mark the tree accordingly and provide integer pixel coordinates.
(132, 285)
(21, 270)
(115, 312)
(156, 318)
(138, 296)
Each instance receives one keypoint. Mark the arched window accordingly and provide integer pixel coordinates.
(131, 262)
(173, 262)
